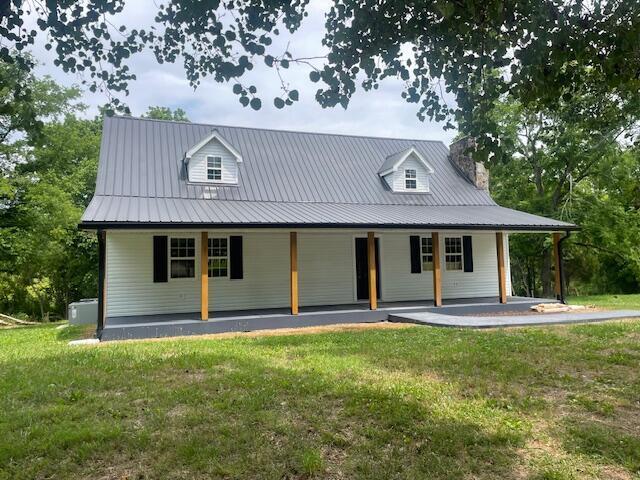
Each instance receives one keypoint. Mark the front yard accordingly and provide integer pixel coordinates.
(380, 402)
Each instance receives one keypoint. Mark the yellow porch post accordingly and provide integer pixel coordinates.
(437, 274)
(293, 277)
(204, 276)
(502, 282)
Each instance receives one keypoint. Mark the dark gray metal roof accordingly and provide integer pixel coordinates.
(110, 210)
(285, 178)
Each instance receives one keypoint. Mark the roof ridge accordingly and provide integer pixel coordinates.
(213, 125)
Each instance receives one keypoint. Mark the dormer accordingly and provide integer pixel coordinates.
(213, 160)
(406, 172)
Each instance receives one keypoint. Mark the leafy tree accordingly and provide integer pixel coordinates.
(165, 113)
(39, 238)
(536, 51)
(25, 102)
(556, 166)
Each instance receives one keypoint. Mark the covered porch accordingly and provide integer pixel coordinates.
(185, 324)
(347, 276)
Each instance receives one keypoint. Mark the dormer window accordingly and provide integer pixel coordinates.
(410, 182)
(214, 168)
(406, 171)
(213, 160)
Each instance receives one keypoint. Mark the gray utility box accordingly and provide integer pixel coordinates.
(83, 312)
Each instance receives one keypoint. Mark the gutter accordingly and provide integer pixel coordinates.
(292, 225)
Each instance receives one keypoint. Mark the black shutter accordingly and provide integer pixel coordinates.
(160, 252)
(467, 252)
(416, 264)
(235, 256)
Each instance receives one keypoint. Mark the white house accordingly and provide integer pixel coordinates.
(200, 219)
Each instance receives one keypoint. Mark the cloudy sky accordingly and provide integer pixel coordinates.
(381, 113)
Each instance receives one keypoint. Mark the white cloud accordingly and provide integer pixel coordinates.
(380, 112)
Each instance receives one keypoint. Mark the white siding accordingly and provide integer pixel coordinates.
(198, 163)
(130, 287)
(131, 291)
(398, 283)
(396, 280)
(396, 180)
(326, 268)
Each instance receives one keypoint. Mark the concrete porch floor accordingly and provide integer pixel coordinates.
(180, 324)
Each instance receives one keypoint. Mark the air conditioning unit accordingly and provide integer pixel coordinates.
(83, 312)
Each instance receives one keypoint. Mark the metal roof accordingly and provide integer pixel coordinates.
(285, 178)
(107, 211)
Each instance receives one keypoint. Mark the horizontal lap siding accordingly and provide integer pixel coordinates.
(131, 290)
(326, 268)
(265, 282)
(130, 287)
(198, 163)
(483, 281)
(397, 282)
(422, 177)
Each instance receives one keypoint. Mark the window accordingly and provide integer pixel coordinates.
(183, 257)
(218, 257)
(453, 253)
(427, 254)
(214, 168)
(410, 179)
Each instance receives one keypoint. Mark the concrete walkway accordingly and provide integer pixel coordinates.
(463, 321)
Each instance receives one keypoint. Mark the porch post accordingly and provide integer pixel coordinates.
(371, 258)
(204, 276)
(502, 283)
(293, 251)
(557, 286)
(102, 284)
(437, 276)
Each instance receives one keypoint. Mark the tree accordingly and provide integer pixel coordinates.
(556, 166)
(541, 49)
(165, 113)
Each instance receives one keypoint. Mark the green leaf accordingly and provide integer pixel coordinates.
(256, 103)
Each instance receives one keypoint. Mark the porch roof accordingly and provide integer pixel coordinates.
(143, 212)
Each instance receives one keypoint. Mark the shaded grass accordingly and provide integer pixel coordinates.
(414, 402)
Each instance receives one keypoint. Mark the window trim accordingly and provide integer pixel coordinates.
(461, 269)
(213, 169)
(170, 277)
(423, 254)
(227, 257)
(408, 178)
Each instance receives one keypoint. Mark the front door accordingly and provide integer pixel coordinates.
(362, 269)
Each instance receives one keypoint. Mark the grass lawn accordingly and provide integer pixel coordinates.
(621, 301)
(382, 402)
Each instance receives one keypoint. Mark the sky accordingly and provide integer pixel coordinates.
(379, 112)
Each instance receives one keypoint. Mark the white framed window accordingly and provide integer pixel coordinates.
(218, 257)
(214, 168)
(453, 253)
(410, 182)
(182, 257)
(426, 249)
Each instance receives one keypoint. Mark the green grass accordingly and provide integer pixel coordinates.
(418, 402)
(614, 301)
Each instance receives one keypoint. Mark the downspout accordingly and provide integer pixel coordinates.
(560, 267)
(101, 278)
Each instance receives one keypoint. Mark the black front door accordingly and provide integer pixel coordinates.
(362, 269)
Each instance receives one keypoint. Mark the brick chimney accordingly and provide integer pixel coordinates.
(461, 155)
